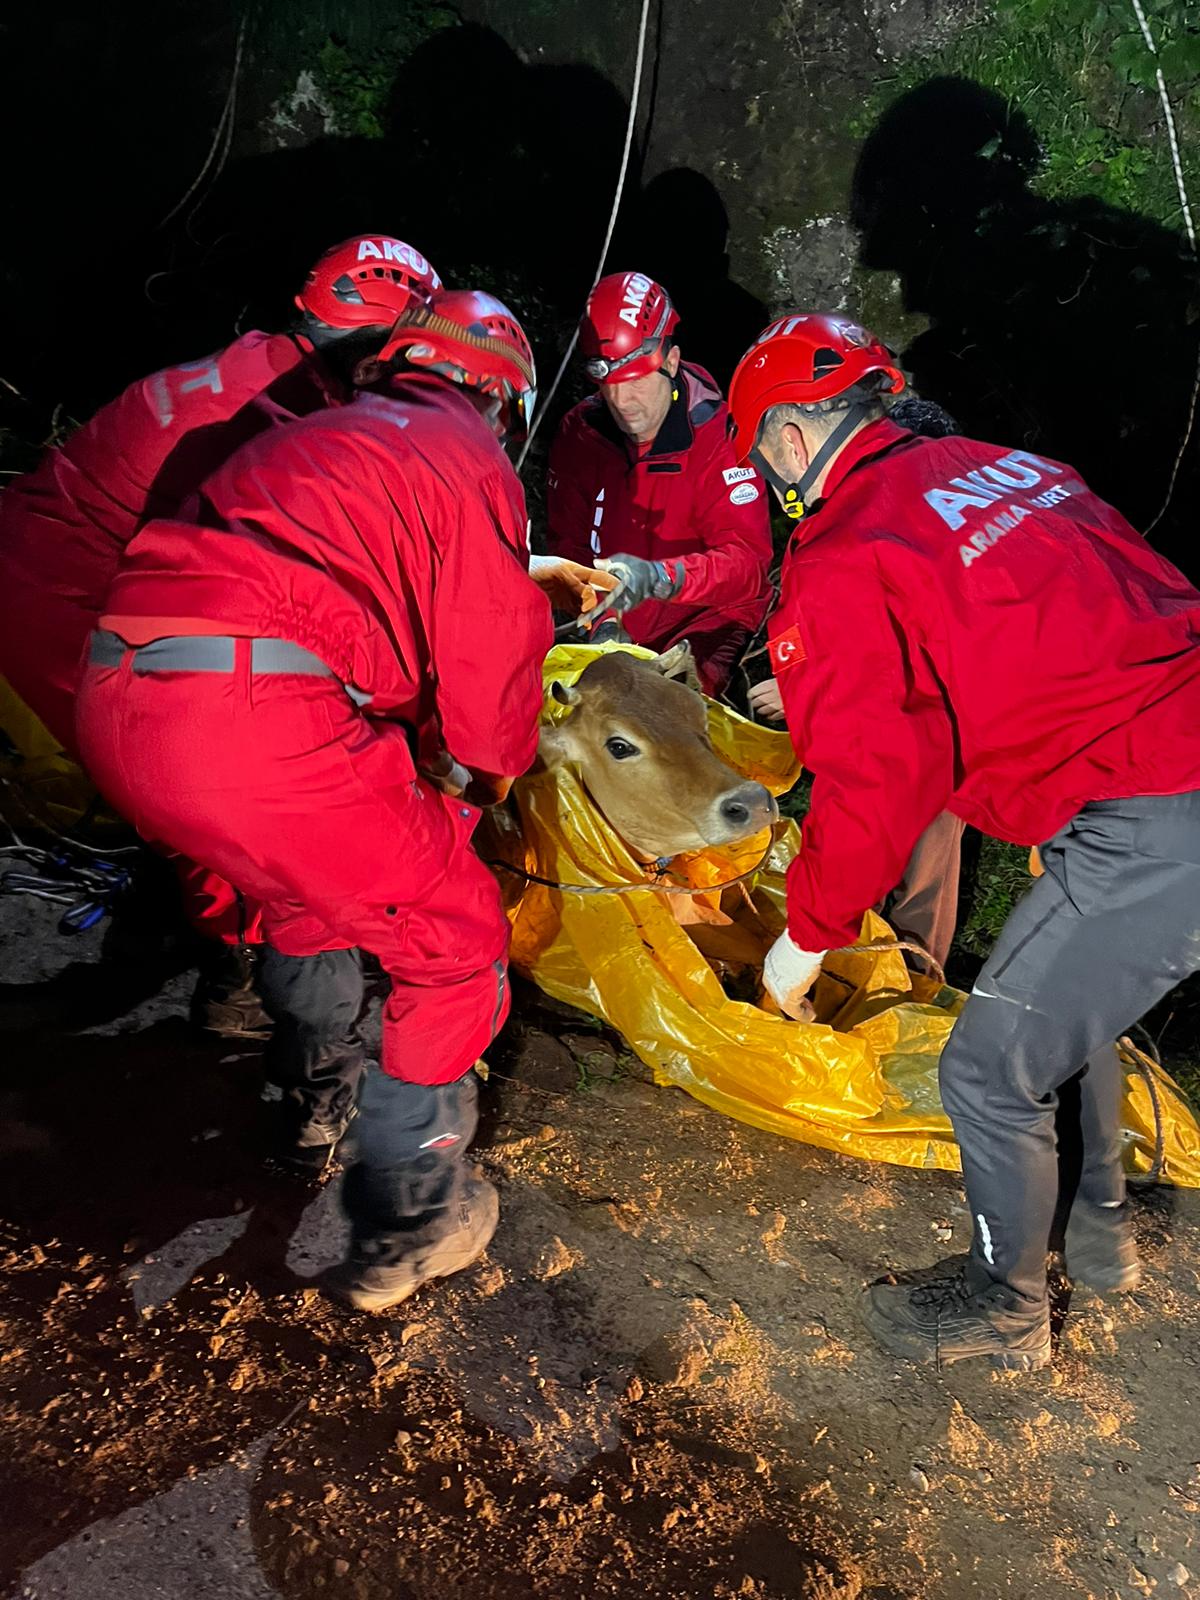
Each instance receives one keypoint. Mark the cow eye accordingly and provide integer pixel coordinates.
(620, 749)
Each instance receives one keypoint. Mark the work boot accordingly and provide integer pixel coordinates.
(226, 998)
(308, 1148)
(957, 1316)
(1100, 1250)
(383, 1271)
(418, 1212)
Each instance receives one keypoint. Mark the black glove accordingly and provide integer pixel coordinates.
(641, 580)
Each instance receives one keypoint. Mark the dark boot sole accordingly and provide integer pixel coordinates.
(1028, 1356)
(918, 1352)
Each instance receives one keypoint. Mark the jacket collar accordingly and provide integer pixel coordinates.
(876, 439)
(696, 400)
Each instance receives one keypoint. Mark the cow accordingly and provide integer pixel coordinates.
(638, 733)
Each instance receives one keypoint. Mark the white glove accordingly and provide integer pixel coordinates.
(789, 973)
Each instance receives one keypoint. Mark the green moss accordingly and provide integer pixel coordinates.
(353, 48)
(1087, 86)
(1003, 878)
(356, 79)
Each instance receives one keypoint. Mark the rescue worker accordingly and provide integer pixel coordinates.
(64, 526)
(923, 906)
(303, 687)
(967, 628)
(643, 484)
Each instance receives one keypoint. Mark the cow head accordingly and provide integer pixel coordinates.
(639, 736)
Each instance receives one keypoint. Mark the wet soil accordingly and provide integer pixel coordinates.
(656, 1381)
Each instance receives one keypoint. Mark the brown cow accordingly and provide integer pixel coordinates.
(639, 736)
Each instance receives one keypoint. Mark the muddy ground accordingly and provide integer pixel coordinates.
(656, 1383)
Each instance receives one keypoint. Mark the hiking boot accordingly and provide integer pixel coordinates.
(384, 1271)
(226, 1000)
(955, 1317)
(309, 1151)
(1099, 1249)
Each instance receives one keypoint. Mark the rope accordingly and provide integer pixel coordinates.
(1148, 1066)
(1169, 115)
(223, 137)
(634, 96)
(1185, 207)
(881, 946)
(656, 884)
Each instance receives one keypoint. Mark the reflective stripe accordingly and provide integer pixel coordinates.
(198, 654)
(213, 653)
(280, 655)
(106, 650)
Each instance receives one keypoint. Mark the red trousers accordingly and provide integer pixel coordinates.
(45, 634)
(281, 785)
(214, 907)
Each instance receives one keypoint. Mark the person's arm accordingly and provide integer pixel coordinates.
(869, 720)
(490, 632)
(730, 514)
(569, 508)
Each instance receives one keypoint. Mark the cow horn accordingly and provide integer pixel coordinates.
(564, 695)
(678, 662)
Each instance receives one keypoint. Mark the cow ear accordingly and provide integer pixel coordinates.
(564, 695)
(678, 662)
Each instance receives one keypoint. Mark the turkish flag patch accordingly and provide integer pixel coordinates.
(787, 650)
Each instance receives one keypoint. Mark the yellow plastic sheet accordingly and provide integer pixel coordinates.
(862, 1079)
(41, 784)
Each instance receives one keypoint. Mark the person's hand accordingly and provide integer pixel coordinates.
(789, 973)
(638, 580)
(446, 774)
(569, 586)
(766, 700)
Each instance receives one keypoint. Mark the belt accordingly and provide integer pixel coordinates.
(211, 653)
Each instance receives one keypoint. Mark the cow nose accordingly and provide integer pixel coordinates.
(749, 807)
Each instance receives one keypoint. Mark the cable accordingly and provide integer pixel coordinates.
(1185, 207)
(222, 138)
(1148, 1066)
(634, 96)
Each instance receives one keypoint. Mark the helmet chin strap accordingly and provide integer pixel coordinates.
(795, 495)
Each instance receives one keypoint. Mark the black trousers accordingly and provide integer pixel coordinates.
(1110, 929)
(315, 1054)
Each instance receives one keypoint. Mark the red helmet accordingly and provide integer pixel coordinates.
(366, 282)
(473, 339)
(802, 359)
(626, 328)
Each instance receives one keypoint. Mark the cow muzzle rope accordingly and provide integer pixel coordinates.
(657, 884)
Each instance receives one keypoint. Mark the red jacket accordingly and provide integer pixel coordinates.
(64, 525)
(387, 536)
(970, 629)
(685, 502)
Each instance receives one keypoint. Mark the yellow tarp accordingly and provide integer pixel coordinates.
(40, 783)
(863, 1079)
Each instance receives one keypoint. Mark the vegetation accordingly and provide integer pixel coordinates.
(1081, 72)
(1002, 879)
(356, 80)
